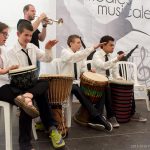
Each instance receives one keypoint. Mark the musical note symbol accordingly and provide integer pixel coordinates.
(144, 71)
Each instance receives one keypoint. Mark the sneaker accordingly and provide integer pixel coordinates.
(57, 140)
(138, 117)
(102, 120)
(39, 126)
(96, 126)
(107, 124)
(114, 122)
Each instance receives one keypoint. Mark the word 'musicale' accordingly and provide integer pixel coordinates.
(104, 7)
(112, 11)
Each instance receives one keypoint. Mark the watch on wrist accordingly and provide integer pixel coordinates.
(44, 25)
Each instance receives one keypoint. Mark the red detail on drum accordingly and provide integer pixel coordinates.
(122, 96)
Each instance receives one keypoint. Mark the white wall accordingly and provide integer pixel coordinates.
(12, 11)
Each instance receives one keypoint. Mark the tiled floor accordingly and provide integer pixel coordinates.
(130, 136)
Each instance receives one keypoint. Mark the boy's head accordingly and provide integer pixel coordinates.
(3, 33)
(24, 31)
(109, 46)
(74, 42)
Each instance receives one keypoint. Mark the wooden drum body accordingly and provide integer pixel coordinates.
(23, 78)
(58, 93)
(59, 88)
(122, 96)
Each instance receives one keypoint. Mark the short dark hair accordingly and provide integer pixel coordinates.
(71, 39)
(106, 39)
(3, 26)
(26, 7)
(24, 24)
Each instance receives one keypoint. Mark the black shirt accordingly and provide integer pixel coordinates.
(35, 38)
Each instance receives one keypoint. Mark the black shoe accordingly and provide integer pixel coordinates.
(96, 126)
(102, 120)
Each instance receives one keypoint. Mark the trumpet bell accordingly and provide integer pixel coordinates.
(60, 21)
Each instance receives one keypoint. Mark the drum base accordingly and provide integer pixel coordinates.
(61, 121)
(82, 116)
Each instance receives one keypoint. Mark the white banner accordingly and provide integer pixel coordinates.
(128, 21)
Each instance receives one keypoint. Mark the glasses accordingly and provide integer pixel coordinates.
(5, 34)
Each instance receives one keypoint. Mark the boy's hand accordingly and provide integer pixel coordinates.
(50, 44)
(13, 67)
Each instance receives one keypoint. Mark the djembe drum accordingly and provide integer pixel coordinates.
(24, 77)
(122, 95)
(58, 93)
(93, 86)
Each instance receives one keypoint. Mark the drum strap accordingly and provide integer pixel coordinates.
(1, 60)
(75, 71)
(29, 60)
(107, 71)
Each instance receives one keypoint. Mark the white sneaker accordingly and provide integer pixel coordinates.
(114, 122)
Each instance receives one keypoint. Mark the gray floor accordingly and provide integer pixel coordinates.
(132, 135)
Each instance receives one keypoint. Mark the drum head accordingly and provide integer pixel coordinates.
(121, 82)
(56, 76)
(22, 69)
(95, 77)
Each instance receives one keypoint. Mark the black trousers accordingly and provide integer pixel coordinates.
(108, 104)
(94, 111)
(39, 92)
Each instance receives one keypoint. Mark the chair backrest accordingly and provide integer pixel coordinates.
(88, 63)
(127, 70)
(57, 65)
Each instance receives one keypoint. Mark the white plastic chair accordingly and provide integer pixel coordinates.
(128, 71)
(8, 124)
(8, 108)
(69, 108)
(34, 130)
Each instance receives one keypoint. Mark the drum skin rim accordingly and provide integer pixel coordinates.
(22, 72)
(118, 82)
(49, 76)
(84, 76)
(88, 81)
(27, 68)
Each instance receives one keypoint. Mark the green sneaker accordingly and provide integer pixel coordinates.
(57, 139)
(39, 126)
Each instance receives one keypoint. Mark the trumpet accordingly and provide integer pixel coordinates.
(51, 21)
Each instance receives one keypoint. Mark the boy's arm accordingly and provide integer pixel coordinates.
(6, 70)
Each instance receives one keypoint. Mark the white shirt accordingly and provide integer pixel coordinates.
(17, 57)
(98, 62)
(68, 58)
(4, 78)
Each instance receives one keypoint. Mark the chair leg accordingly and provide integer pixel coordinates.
(8, 126)
(34, 130)
(147, 103)
(68, 112)
(147, 99)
